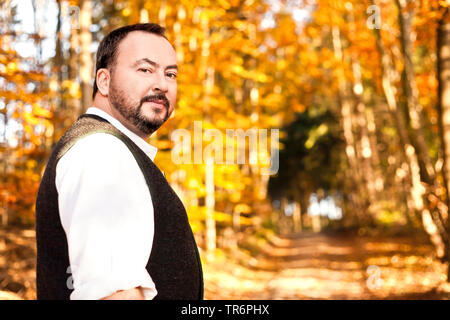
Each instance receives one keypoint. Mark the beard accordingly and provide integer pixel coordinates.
(132, 111)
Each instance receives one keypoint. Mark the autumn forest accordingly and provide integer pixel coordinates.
(310, 142)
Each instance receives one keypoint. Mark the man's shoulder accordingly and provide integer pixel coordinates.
(100, 144)
(99, 154)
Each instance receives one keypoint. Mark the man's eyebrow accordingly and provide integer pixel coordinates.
(153, 63)
(173, 66)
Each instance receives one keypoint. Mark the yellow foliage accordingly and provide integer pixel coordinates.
(11, 67)
(197, 213)
(38, 111)
(242, 208)
(126, 12)
(29, 118)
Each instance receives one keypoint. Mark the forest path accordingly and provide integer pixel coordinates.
(303, 266)
(333, 266)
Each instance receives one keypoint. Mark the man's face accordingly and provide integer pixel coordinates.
(143, 86)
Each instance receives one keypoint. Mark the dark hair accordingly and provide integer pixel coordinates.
(107, 50)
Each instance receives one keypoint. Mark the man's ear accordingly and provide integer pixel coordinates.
(102, 79)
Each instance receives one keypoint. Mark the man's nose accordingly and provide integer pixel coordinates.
(160, 83)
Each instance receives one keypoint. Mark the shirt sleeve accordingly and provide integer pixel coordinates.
(107, 214)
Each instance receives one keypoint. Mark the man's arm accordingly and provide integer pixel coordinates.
(130, 294)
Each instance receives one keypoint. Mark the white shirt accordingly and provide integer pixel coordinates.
(107, 214)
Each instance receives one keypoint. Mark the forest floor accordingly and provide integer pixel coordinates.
(304, 266)
(332, 265)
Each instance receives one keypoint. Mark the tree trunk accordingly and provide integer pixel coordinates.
(210, 203)
(316, 223)
(297, 217)
(58, 63)
(443, 69)
(162, 13)
(5, 159)
(366, 146)
(86, 65)
(74, 106)
(6, 154)
(208, 76)
(372, 127)
(284, 224)
(411, 91)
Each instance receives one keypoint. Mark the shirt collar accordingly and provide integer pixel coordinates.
(149, 150)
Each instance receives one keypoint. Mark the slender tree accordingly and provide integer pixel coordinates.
(86, 65)
(443, 67)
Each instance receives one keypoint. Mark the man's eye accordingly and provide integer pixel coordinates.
(145, 70)
(172, 75)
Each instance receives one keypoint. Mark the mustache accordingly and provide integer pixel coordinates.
(156, 98)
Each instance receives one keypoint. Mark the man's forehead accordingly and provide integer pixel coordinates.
(138, 45)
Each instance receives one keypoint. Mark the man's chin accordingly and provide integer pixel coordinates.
(155, 115)
(149, 127)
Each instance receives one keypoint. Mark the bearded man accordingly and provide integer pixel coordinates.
(108, 225)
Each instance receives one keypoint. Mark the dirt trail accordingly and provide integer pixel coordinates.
(333, 266)
(17, 264)
(304, 266)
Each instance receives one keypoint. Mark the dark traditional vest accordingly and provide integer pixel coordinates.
(174, 262)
